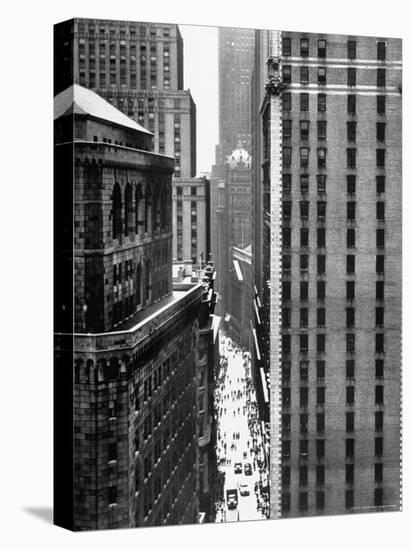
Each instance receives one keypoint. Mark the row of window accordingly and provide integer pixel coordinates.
(321, 130)
(320, 448)
(321, 103)
(321, 157)
(321, 184)
(321, 236)
(321, 316)
(321, 290)
(320, 370)
(320, 401)
(321, 48)
(321, 76)
(320, 499)
(102, 30)
(321, 263)
(321, 343)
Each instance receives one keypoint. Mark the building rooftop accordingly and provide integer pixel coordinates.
(78, 100)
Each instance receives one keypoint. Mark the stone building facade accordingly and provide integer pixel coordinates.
(126, 372)
(331, 179)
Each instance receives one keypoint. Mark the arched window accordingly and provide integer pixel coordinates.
(128, 206)
(148, 279)
(138, 285)
(138, 210)
(117, 211)
(148, 211)
(112, 369)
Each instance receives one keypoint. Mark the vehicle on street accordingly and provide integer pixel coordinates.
(231, 498)
(248, 469)
(238, 467)
(244, 489)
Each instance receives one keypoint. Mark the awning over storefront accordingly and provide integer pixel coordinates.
(256, 344)
(264, 386)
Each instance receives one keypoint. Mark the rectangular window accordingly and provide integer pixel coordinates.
(380, 158)
(351, 76)
(286, 46)
(304, 285)
(350, 421)
(351, 158)
(380, 131)
(304, 102)
(303, 501)
(304, 157)
(378, 420)
(321, 129)
(285, 423)
(321, 285)
(287, 183)
(286, 237)
(351, 130)
(303, 475)
(286, 343)
(287, 156)
(378, 446)
(350, 369)
(321, 210)
(350, 317)
(304, 75)
(320, 448)
(350, 237)
(381, 78)
(379, 368)
(321, 103)
(287, 128)
(286, 286)
(350, 290)
(351, 49)
(381, 51)
(303, 423)
(351, 104)
(351, 184)
(322, 76)
(303, 317)
(380, 290)
(286, 317)
(350, 395)
(285, 502)
(380, 184)
(321, 241)
(321, 316)
(287, 74)
(380, 264)
(320, 396)
(321, 157)
(379, 343)
(304, 129)
(321, 47)
(303, 448)
(286, 371)
(303, 341)
(380, 238)
(320, 343)
(320, 474)
(321, 181)
(286, 262)
(350, 343)
(350, 447)
(285, 476)
(349, 473)
(320, 422)
(304, 183)
(380, 104)
(378, 472)
(379, 316)
(350, 264)
(304, 370)
(304, 262)
(285, 449)
(304, 236)
(378, 496)
(304, 209)
(304, 47)
(321, 264)
(349, 499)
(287, 101)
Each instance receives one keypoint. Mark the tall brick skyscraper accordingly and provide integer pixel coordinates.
(331, 187)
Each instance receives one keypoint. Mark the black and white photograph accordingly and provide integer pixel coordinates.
(227, 315)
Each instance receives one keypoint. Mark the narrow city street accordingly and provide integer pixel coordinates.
(239, 439)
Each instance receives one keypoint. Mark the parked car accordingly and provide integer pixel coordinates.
(238, 467)
(244, 489)
(231, 498)
(248, 469)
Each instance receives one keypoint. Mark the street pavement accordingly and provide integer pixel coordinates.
(238, 440)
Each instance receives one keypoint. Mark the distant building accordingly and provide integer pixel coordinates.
(138, 68)
(331, 273)
(236, 50)
(191, 215)
(126, 368)
(239, 303)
